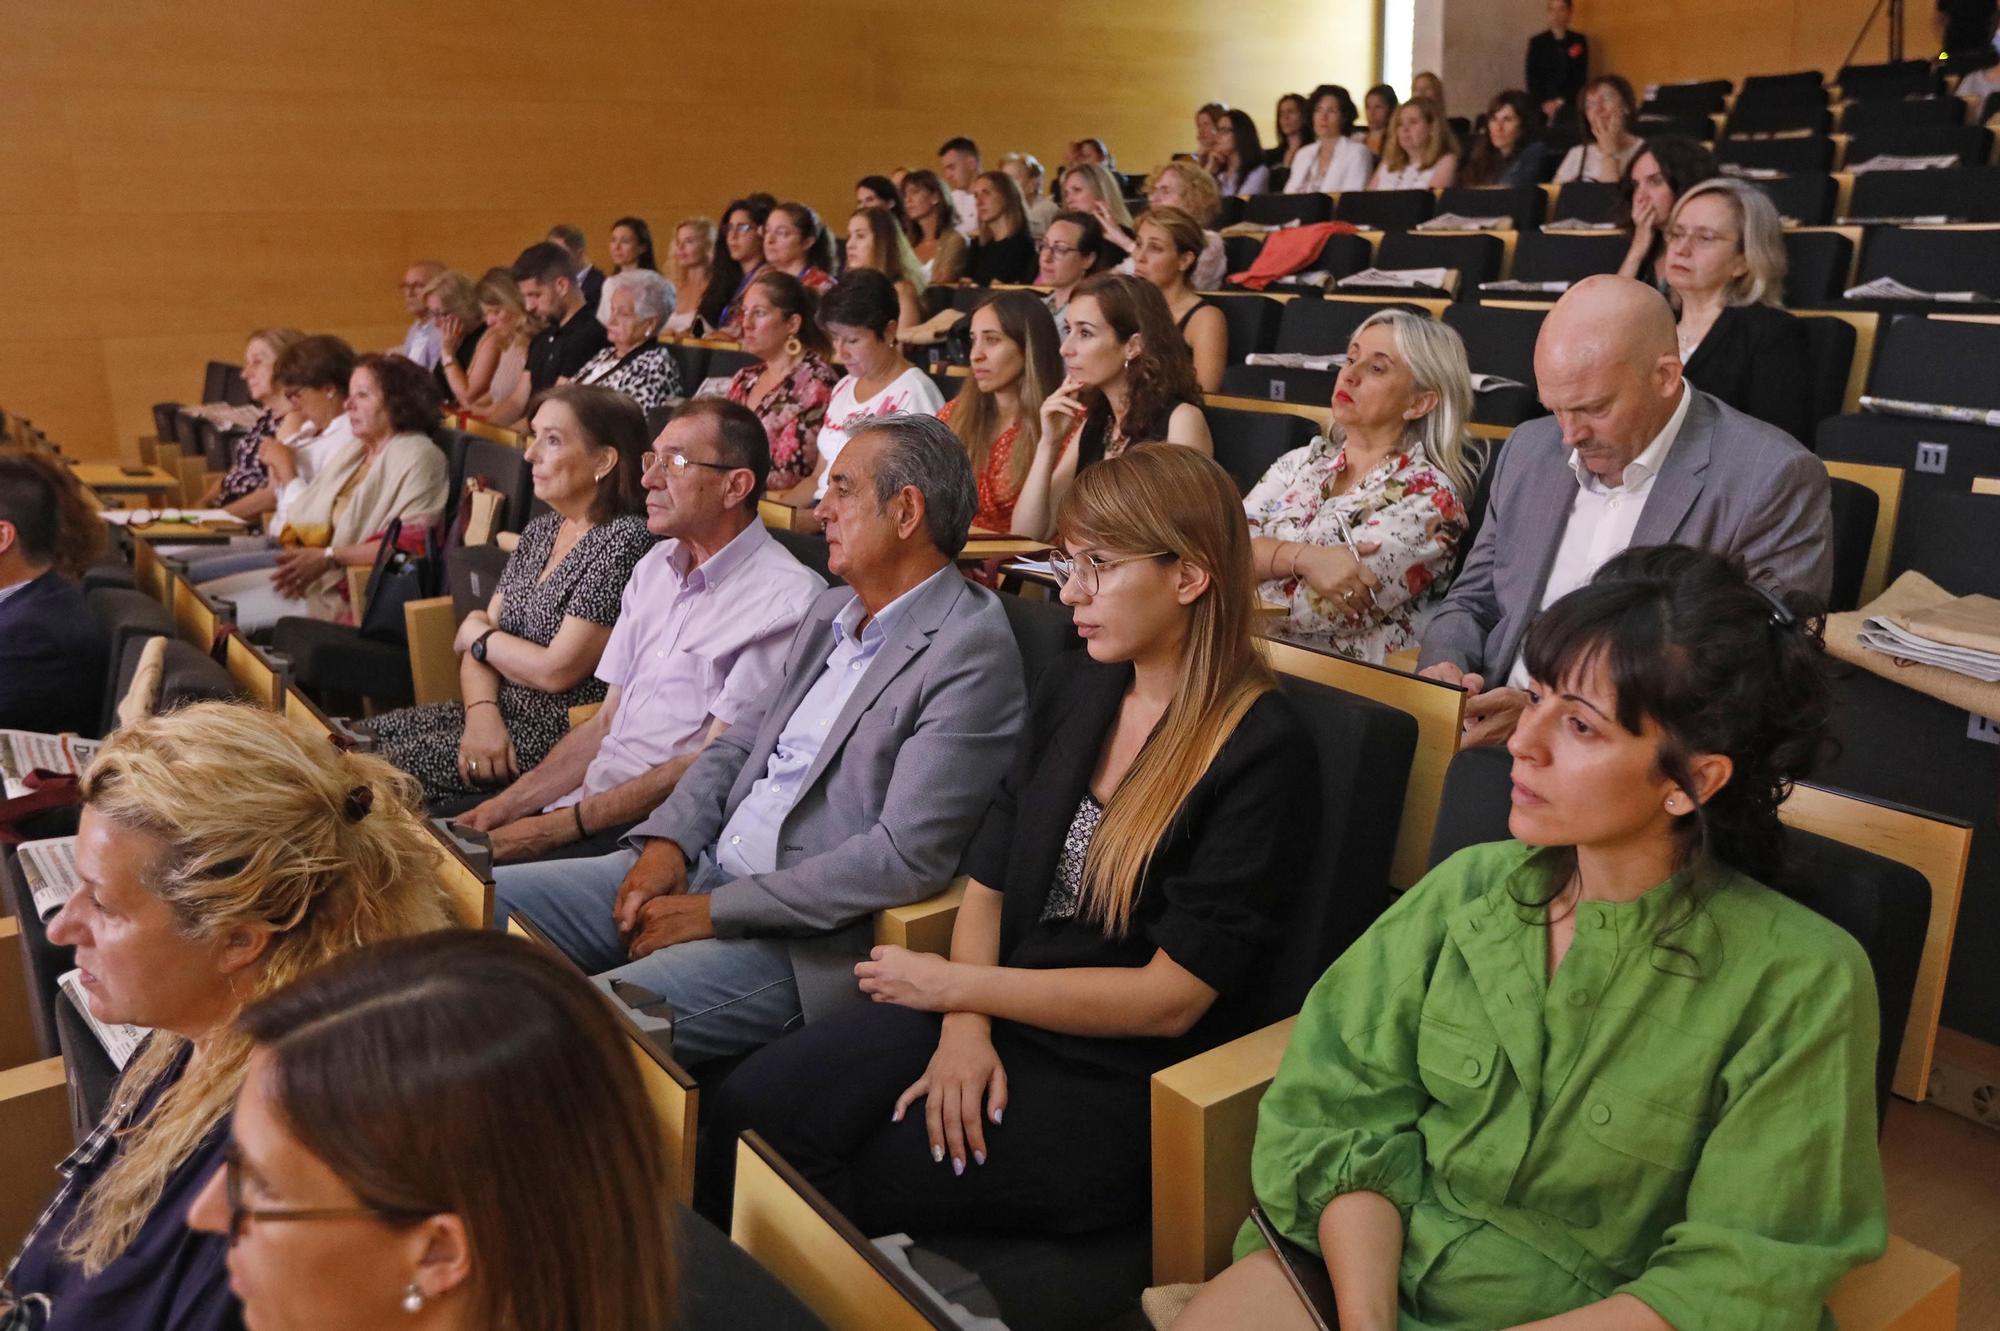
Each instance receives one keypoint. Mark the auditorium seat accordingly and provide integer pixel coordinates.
(1816, 266)
(1830, 344)
(1248, 442)
(1522, 205)
(1933, 260)
(1655, 120)
(691, 363)
(1546, 256)
(1587, 201)
(1778, 117)
(1868, 117)
(1703, 98)
(1923, 360)
(1763, 89)
(1239, 252)
(127, 615)
(1384, 209)
(1886, 82)
(1806, 198)
(1252, 322)
(1500, 341)
(1278, 209)
(1930, 453)
(1972, 145)
(1476, 258)
(1812, 152)
(1960, 194)
(1855, 508)
(1309, 327)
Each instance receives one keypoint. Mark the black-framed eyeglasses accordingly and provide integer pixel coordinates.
(1087, 568)
(678, 463)
(1056, 251)
(232, 1191)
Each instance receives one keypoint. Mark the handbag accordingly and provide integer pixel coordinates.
(409, 566)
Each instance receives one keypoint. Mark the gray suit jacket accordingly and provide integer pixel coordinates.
(1730, 483)
(906, 772)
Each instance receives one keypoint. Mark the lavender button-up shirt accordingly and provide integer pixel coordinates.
(694, 642)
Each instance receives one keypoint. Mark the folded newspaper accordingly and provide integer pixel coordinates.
(1929, 411)
(1893, 162)
(49, 866)
(1960, 635)
(1927, 219)
(120, 1042)
(1409, 279)
(1295, 360)
(1459, 222)
(1579, 224)
(1537, 288)
(1487, 383)
(23, 751)
(1751, 172)
(1888, 288)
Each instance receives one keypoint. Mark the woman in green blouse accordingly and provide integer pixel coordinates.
(1600, 1076)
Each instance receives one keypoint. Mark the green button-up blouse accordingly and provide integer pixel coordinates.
(1695, 1128)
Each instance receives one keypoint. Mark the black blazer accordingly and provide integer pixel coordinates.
(51, 659)
(1754, 359)
(1557, 68)
(1220, 885)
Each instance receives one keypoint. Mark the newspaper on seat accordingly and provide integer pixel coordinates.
(1579, 224)
(49, 866)
(1929, 411)
(1534, 288)
(1487, 383)
(120, 1042)
(121, 517)
(1459, 222)
(1888, 288)
(1894, 162)
(1408, 279)
(1927, 219)
(1750, 172)
(1960, 634)
(22, 751)
(1295, 360)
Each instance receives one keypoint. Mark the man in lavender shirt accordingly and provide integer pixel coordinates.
(701, 634)
(852, 786)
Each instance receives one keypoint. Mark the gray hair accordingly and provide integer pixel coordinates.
(652, 294)
(1761, 241)
(922, 451)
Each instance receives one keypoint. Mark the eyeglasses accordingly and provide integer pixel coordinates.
(678, 463)
(741, 228)
(1088, 568)
(1053, 251)
(1698, 235)
(232, 1189)
(774, 232)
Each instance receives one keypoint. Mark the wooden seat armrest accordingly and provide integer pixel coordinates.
(431, 625)
(578, 715)
(1204, 1123)
(923, 926)
(18, 1041)
(1906, 1289)
(357, 588)
(35, 1136)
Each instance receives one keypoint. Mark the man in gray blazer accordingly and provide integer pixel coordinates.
(745, 900)
(1633, 455)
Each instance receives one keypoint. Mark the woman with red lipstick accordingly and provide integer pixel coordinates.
(1724, 266)
(532, 653)
(224, 851)
(1134, 871)
(998, 413)
(1546, 1087)
(1358, 533)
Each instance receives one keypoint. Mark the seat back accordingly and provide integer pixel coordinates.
(1043, 630)
(1252, 323)
(1925, 360)
(1477, 258)
(1830, 345)
(1523, 205)
(1868, 117)
(1248, 442)
(1894, 80)
(1548, 256)
(1278, 209)
(1805, 85)
(1948, 537)
(505, 469)
(215, 380)
(1586, 201)
(691, 361)
(1804, 198)
(725, 361)
(1778, 118)
(1970, 144)
(1384, 209)
(1926, 454)
(1812, 152)
(1934, 260)
(1855, 508)
(1500, 341)
(1816, 267)
(1703, 98)
(809, 548)
(127, 616)
(187, 675)
(1961, 194)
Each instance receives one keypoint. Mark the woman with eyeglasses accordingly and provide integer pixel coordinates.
(531, 654)
(224, 851)
(367, 1181)
(739, 256)
(1724, 267)
(1072, 249)
(1132, 876)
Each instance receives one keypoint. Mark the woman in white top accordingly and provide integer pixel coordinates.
(859, 316)
(1422, 152)
(690, 266)
(510, 327)
(1333, 161)
(1608, 108)
(1240, 155)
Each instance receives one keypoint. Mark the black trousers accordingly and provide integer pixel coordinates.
(1071, 1155)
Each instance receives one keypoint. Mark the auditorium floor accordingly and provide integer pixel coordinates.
(1944, 1194)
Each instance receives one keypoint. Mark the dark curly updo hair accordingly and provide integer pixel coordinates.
(1721, 665)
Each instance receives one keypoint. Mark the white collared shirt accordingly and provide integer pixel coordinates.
(1602, 519)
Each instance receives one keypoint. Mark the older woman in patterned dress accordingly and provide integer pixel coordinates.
(532, 654)
(1358, 533)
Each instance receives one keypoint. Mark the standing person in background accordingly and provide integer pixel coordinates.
(570, 334)
(1964, 26)
(421, 343)
(958, 163)
(631, 246)
(1239, 156)
(1424, 152)
(1608, 108)
(1380, 108)
(589, 277)
(1558, 63)
(1294, 130)
(933, 235)
(1509, 150)
(796, 242)
(1026, 169)
(691, 268)
(741, 256)
(1335, 160)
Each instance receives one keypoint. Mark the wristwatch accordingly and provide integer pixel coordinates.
(479, 646)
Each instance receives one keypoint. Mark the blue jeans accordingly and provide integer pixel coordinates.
(728, 995)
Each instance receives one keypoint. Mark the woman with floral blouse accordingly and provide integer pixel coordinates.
(790, 387)
(1358, 532)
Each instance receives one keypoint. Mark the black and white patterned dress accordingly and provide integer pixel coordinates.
(587, 585)
(648, 376)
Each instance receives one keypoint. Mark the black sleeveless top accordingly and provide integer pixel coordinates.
(1180, 324)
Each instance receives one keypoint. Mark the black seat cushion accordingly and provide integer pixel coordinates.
(1385, 209)
(336, 658)
(1961, 194)
(1248, 442)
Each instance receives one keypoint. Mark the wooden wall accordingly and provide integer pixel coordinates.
(173, 175)
(1665, 41)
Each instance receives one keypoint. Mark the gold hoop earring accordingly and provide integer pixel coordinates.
(794, 347)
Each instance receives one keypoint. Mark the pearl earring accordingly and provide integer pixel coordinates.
(413, 1299)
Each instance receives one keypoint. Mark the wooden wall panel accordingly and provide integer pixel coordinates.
(178, 174)
(1664, 41)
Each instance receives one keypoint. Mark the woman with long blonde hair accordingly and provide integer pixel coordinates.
(876, 240)
(1133, 875)
(510, 328)
(224, 851)
(1422, 152)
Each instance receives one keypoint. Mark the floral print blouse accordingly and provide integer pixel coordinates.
(247, 473)
(1406, 505)
(791, 413)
